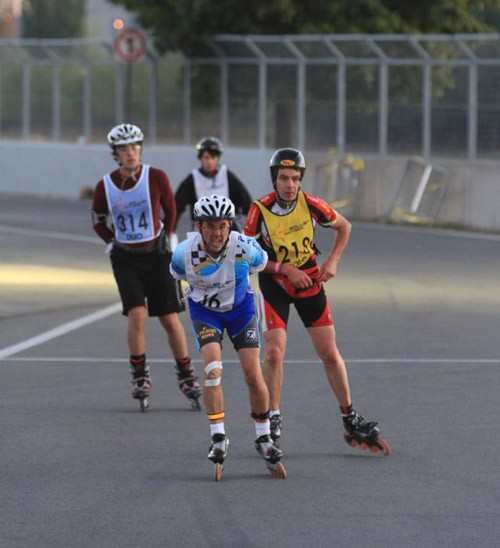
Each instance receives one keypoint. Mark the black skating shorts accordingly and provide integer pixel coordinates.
(314, 311)
(145, 280)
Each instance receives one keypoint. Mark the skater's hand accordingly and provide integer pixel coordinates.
(328, 270)
(298, 278)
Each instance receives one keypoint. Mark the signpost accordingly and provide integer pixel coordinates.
(129, 47)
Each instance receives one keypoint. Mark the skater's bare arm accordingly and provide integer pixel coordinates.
(343, 230)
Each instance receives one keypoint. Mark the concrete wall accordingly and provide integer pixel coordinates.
(472, 201)
(64, 169)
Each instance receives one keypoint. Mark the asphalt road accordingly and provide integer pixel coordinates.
(417, 319)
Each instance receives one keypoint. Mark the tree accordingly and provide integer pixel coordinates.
(52, 18)
(187, 24)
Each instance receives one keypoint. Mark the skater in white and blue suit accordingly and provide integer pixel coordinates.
(216, 262)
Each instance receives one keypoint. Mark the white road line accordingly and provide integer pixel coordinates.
(60, 330)
(381, 361)
(51, 234)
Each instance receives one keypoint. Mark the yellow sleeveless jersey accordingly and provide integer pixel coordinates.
(291, 234)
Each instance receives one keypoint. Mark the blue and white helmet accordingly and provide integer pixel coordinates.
(213, 208)
(125, 134)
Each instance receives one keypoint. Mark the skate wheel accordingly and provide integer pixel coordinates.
(196, 405)
(384, 446)
(218, 472)
(350, 440)
(278, 471)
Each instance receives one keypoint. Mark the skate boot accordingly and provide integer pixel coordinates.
(272, 456)
(217, 453)
(141, 385)
(276, 423)
(188, 384)
(364, 434)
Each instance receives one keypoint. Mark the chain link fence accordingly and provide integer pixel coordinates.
(427, 95)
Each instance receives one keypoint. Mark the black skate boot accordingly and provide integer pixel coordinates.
(141, 384)
(272, 456)
(364, 434)
(188, 384)
(217, 453)
(276, 423)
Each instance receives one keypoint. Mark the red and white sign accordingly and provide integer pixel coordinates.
(130, 45)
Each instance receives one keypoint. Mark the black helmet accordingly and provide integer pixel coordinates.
(209, 144)
(287, 157)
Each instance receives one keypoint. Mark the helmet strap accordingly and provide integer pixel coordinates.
(283, 203)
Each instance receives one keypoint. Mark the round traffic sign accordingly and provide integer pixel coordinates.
(130, 45)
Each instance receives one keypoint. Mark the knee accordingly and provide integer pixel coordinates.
(170, 323)
(253, 380)
(213, 374)
(275, 355)
(136, 317)
(330, 361)
(331, 358)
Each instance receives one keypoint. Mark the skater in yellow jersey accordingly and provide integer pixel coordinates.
(283, 223)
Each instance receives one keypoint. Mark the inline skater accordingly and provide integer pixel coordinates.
(211, 177)
(283, 222)
(127, 214)
(216, 263)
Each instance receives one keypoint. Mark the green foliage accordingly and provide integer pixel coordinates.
(52, 18)
(188, 24)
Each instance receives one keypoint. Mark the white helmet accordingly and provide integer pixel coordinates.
(125, 134)
(213, 208)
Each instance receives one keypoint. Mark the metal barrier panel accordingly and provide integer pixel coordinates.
(170, 99)
(205, 101)
(103, 100)
(321, 106)
(449, 111)
(362, 108)
(488, 139)
(281, 106)
(382, 94)
(243, 121)
(421, 193)
(72, 97)
(405, 109)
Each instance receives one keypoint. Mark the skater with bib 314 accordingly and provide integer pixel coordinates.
(216, 263)
(133, 211)
(283, 223)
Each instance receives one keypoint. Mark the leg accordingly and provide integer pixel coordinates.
(213, 396)
(214, 404)
(188, 382)
(359, 432)
(176, 335)
(136, 337)
(127, 270)
(259, 401)
(258, 393)
(324, 342)
(275, 309)
(141, 379)
(275, 346)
